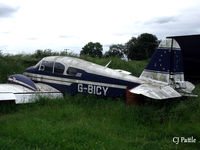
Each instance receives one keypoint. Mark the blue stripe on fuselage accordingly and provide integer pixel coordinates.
(73, 88)
(88, 77)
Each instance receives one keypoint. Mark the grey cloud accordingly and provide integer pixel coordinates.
(7, 11)
(186, 23)
(5, 32)
(163, 20)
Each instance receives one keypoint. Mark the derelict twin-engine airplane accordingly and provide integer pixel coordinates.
(54, 76)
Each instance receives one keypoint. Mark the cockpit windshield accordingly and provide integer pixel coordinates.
(50, 66)
(37, 65)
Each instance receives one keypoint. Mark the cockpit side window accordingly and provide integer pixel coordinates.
(59, 68)
(72, 71)
(46, 66)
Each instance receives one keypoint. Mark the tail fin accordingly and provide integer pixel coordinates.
(166, 65)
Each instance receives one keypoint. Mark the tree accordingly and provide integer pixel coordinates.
(64, 52)
(142, 47)
(44, 53)
(115, 50)
(1, 53)
(130, 52)
(92, 49)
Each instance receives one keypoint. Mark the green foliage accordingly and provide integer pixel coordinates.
(14, 65)
(64, 52)
(92, 49)
(44, 53)
(142, 47)
(116, 50)
(39, 54)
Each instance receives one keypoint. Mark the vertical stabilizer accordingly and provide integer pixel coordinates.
(166, 65)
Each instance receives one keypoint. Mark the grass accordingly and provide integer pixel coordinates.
(85, 122)
(89, 123)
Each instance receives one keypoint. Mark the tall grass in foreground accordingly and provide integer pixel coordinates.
(85, 122)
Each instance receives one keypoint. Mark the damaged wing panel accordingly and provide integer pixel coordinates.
(21, 94)
(155, 92)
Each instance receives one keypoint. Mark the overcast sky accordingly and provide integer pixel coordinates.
(28, 25)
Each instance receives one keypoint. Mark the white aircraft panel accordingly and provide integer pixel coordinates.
(155, 92)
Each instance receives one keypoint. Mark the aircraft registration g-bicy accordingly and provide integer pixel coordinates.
(54, 76)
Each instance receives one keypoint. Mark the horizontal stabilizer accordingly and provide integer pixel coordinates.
(155, 91)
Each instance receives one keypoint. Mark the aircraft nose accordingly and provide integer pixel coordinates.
(30, 69)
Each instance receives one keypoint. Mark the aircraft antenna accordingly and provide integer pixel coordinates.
(108, 64)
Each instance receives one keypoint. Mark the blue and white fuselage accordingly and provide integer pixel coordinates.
(73, 75)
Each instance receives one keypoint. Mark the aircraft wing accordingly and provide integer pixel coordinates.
(22, 90)
(7, 96)
(21, 94)
(155, 91)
